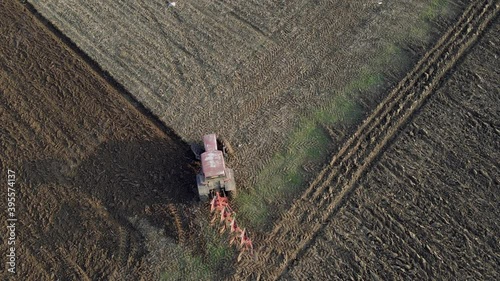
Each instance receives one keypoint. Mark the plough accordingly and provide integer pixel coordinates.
(227, 217)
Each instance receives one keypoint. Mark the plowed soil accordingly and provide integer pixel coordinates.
(311, 214)
(413, 194)
(86, 160)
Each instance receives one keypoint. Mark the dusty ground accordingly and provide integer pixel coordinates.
(86, 160)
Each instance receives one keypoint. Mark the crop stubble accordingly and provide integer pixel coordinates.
(328, 192)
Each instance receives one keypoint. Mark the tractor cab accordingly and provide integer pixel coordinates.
(212, 160)
(214, 176)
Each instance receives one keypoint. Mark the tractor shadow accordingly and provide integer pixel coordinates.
(126, 177)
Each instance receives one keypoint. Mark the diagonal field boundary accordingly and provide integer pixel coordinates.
(298, 228)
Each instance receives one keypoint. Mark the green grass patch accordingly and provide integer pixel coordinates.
(190, 266)
(218, 250)
(434, 9)
(187, 266)
(284, 177)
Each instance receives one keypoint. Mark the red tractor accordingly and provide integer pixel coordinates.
(214, 176)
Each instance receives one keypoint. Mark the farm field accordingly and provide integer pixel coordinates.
(272, 77)
(429, 208)
(426, 208)
(86, 161)
(99, 101)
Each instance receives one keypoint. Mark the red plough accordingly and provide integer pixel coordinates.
(227, 217)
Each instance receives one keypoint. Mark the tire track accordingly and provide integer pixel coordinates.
(328, 192)
(73, 265)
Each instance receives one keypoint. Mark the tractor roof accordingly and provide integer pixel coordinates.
(212, 163)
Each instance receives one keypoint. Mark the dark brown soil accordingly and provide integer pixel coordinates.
(86, 160)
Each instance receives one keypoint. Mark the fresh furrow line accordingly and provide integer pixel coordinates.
(289, 238)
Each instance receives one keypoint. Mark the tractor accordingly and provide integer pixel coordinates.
(214, 177)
